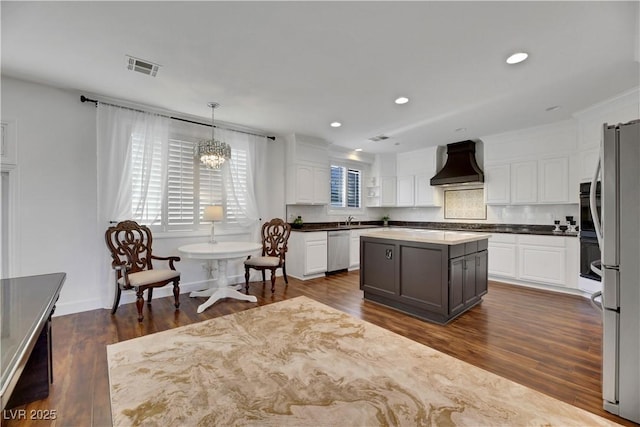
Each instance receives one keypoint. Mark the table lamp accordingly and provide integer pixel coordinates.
(213, 213)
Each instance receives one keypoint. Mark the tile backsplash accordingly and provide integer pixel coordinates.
(465, 204)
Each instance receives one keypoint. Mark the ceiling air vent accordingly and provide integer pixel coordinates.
(142, 66)
(378, 138)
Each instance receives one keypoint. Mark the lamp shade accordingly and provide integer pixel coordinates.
(213, 213)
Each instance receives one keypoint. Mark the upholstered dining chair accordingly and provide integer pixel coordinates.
(275, 234)
(130, 246)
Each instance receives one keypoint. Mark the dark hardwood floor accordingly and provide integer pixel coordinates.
(547, 341)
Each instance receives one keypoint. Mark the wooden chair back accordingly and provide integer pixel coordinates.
(275, 234)
(130, 245)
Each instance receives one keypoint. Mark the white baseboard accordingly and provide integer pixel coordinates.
(77, 306)
(559, 289)
(129, 297)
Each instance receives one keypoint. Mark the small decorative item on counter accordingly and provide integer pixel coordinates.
(297, 223)
(557, 224)
(573, 228)
(385, 220)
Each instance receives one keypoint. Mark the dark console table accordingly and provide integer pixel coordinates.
(26, 306)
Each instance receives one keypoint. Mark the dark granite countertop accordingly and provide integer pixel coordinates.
(534, 229)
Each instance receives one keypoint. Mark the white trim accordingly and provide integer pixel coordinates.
(626, 98)
(129, 297)
(77, 306)
(13, 221)
(9, 142)
(549, 287)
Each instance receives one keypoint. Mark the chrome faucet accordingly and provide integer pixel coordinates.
(349, 219)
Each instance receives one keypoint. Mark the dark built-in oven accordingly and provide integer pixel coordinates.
(587, 228)
(589, 252)
(589, 249)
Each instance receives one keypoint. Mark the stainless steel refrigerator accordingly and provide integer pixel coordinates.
(618, 233)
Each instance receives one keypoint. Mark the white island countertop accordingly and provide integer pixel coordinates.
(440, 237)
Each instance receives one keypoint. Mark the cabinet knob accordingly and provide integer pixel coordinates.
(388, 254)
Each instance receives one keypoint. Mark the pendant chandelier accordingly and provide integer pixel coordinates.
(212, 152)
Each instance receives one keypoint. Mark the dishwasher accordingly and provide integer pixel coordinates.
(337, 251)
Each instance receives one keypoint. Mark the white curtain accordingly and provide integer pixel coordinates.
(240, 192)
(116, 128)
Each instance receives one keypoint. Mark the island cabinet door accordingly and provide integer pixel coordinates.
(482, 270)
(378, 267)
(456, 284)
(470, 294)
(423, 276)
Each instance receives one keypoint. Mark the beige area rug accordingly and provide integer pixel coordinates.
(302, 363)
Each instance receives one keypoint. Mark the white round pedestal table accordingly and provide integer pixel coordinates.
(217, 255)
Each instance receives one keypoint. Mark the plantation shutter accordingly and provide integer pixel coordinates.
(353, 188)
(180, 183)
(189, 187)
(337, 186)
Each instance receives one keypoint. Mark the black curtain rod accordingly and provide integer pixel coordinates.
(85, 99)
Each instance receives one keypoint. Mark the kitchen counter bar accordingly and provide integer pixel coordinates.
(439, 237)
(533, 229)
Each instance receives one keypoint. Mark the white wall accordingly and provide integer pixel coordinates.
(55, 212)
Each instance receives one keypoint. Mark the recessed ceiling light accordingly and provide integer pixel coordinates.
(336, 124)
(517, 57)
(358, 149)
(401, 100)
(461, 129)
(554, 108)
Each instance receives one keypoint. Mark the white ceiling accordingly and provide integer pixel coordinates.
(284, 67)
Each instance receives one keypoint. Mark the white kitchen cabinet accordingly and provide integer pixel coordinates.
(321, 185)
(553, 180)
(588, 162)
(354, 246)
(426, 194)
(415, 170)
(540, 181)
(388, 191)
(535, 260)
(542, 264)
(542, 259)
(405, 190)
(315, 260)
(307, 254)
(503, 255)
(307, 171)
(498, 184)
(311, 185)
(354, 249)
(524, 182)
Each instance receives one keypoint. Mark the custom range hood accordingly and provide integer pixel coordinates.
(461, 166)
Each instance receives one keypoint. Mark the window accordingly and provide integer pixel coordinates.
(345, 187)
(177, 193)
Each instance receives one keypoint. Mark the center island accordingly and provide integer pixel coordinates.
(431, 274)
